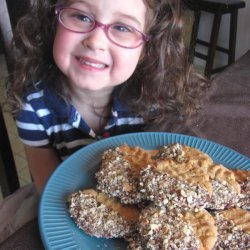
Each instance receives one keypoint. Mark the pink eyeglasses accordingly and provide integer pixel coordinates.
(122, 35)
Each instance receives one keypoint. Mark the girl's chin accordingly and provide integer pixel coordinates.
(91, 87)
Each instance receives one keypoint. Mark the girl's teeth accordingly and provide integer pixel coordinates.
(94, 65)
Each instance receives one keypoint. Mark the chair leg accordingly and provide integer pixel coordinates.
(8, 173)
(197, 15)
(213, 44)
(232, 39)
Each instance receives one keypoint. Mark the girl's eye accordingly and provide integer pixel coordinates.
(82, 17)
(123, 28)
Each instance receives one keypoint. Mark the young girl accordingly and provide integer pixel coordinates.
(88, 69)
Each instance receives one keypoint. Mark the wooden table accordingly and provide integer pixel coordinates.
(225, 119)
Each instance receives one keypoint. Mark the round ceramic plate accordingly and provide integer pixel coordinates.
(57, 229)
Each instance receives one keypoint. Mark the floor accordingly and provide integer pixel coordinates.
(17, 147)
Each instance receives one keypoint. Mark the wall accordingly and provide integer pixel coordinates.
(243, 34)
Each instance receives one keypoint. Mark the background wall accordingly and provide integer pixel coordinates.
(243, 34)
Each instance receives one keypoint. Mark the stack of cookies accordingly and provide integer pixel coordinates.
(172, 198)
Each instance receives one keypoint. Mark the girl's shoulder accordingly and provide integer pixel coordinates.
(42, 96)
(34, 96)
(36, 88)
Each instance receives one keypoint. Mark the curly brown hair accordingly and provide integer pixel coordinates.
(165, 79)
(163, 86)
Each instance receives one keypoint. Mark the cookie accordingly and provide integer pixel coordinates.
(100, 216)
(175, 179)
(119, 173)
(225, 189)
(243, 178)
(233, 227)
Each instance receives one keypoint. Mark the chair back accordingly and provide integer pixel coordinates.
(9, 181)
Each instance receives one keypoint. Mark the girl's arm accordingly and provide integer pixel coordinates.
(42, 163)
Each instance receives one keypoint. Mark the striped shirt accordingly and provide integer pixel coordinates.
(46, 120)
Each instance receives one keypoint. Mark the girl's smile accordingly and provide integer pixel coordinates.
(87, 63)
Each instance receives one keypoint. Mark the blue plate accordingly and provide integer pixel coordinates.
(57, 229)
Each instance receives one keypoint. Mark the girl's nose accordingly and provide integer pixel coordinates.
(96, 39)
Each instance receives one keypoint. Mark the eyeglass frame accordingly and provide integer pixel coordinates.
(145, 37)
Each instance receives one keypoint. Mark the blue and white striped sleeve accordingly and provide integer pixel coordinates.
(31, 128)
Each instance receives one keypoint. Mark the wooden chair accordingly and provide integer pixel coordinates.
(8, 174)
(217, 8)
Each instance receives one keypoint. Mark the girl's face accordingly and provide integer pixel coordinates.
(91, 61)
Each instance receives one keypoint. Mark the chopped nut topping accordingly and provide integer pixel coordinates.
(165, 231)
(167, 191)
(223, 196)
(96, 218)
(173, 151)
